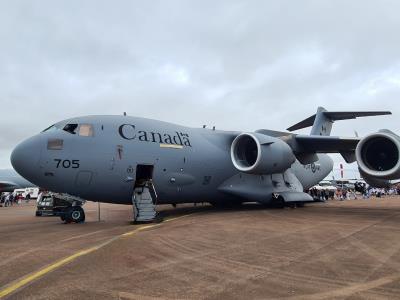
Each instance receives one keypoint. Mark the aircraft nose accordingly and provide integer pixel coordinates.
(26, 156)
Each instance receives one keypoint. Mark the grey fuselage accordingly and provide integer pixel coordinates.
(190, 164)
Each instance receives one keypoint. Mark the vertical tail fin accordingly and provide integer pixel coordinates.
(323, 120)
(322, 124)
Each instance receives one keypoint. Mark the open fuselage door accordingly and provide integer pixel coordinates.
(144, 198)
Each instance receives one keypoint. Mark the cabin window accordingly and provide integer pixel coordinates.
(55, 144)
(71, 128)
(86, 130)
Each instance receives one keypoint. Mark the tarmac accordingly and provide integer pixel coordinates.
(334, 250)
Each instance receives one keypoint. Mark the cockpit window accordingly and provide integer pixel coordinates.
(51, 128)
(86, 130)
(71, 128)
(74, 128)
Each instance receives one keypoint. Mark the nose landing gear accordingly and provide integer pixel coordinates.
(71, 210)
(74, 214)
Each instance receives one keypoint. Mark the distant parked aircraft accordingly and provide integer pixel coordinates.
(11, 180)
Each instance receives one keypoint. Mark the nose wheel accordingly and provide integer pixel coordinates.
(74, 214)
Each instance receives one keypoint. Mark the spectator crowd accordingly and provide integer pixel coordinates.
(360, 190)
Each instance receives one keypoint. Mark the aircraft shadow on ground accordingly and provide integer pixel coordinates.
(180, 211)
(321, 210)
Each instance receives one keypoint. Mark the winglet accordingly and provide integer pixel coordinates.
(322, 121)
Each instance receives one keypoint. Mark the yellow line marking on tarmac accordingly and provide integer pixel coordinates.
(177, 218)
(129, 233)
(44, 271)
(12, 287)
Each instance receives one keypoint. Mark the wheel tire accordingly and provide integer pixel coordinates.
(83, 215)
(76, 214)
(38, 214)
(66, 216)
(278, 203)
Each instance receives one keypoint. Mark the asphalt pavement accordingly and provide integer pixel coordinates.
(333, 250)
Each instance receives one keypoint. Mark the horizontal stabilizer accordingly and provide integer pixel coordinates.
(336, 116)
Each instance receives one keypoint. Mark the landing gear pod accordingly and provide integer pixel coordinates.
(256, 153)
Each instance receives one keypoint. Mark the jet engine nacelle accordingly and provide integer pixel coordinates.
(256, 153)
(378, 156)
(376, 182)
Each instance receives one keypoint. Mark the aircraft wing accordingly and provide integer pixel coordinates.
(306, 146)
(274, 133)
(325, 144)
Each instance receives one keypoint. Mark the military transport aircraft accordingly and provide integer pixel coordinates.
(11, 180)
(130, 160)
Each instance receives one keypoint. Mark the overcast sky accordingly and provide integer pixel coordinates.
(238, 65)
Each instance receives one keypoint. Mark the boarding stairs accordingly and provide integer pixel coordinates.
(144, 201)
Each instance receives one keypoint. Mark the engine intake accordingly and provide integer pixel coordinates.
(256, 153)
(378, 155)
